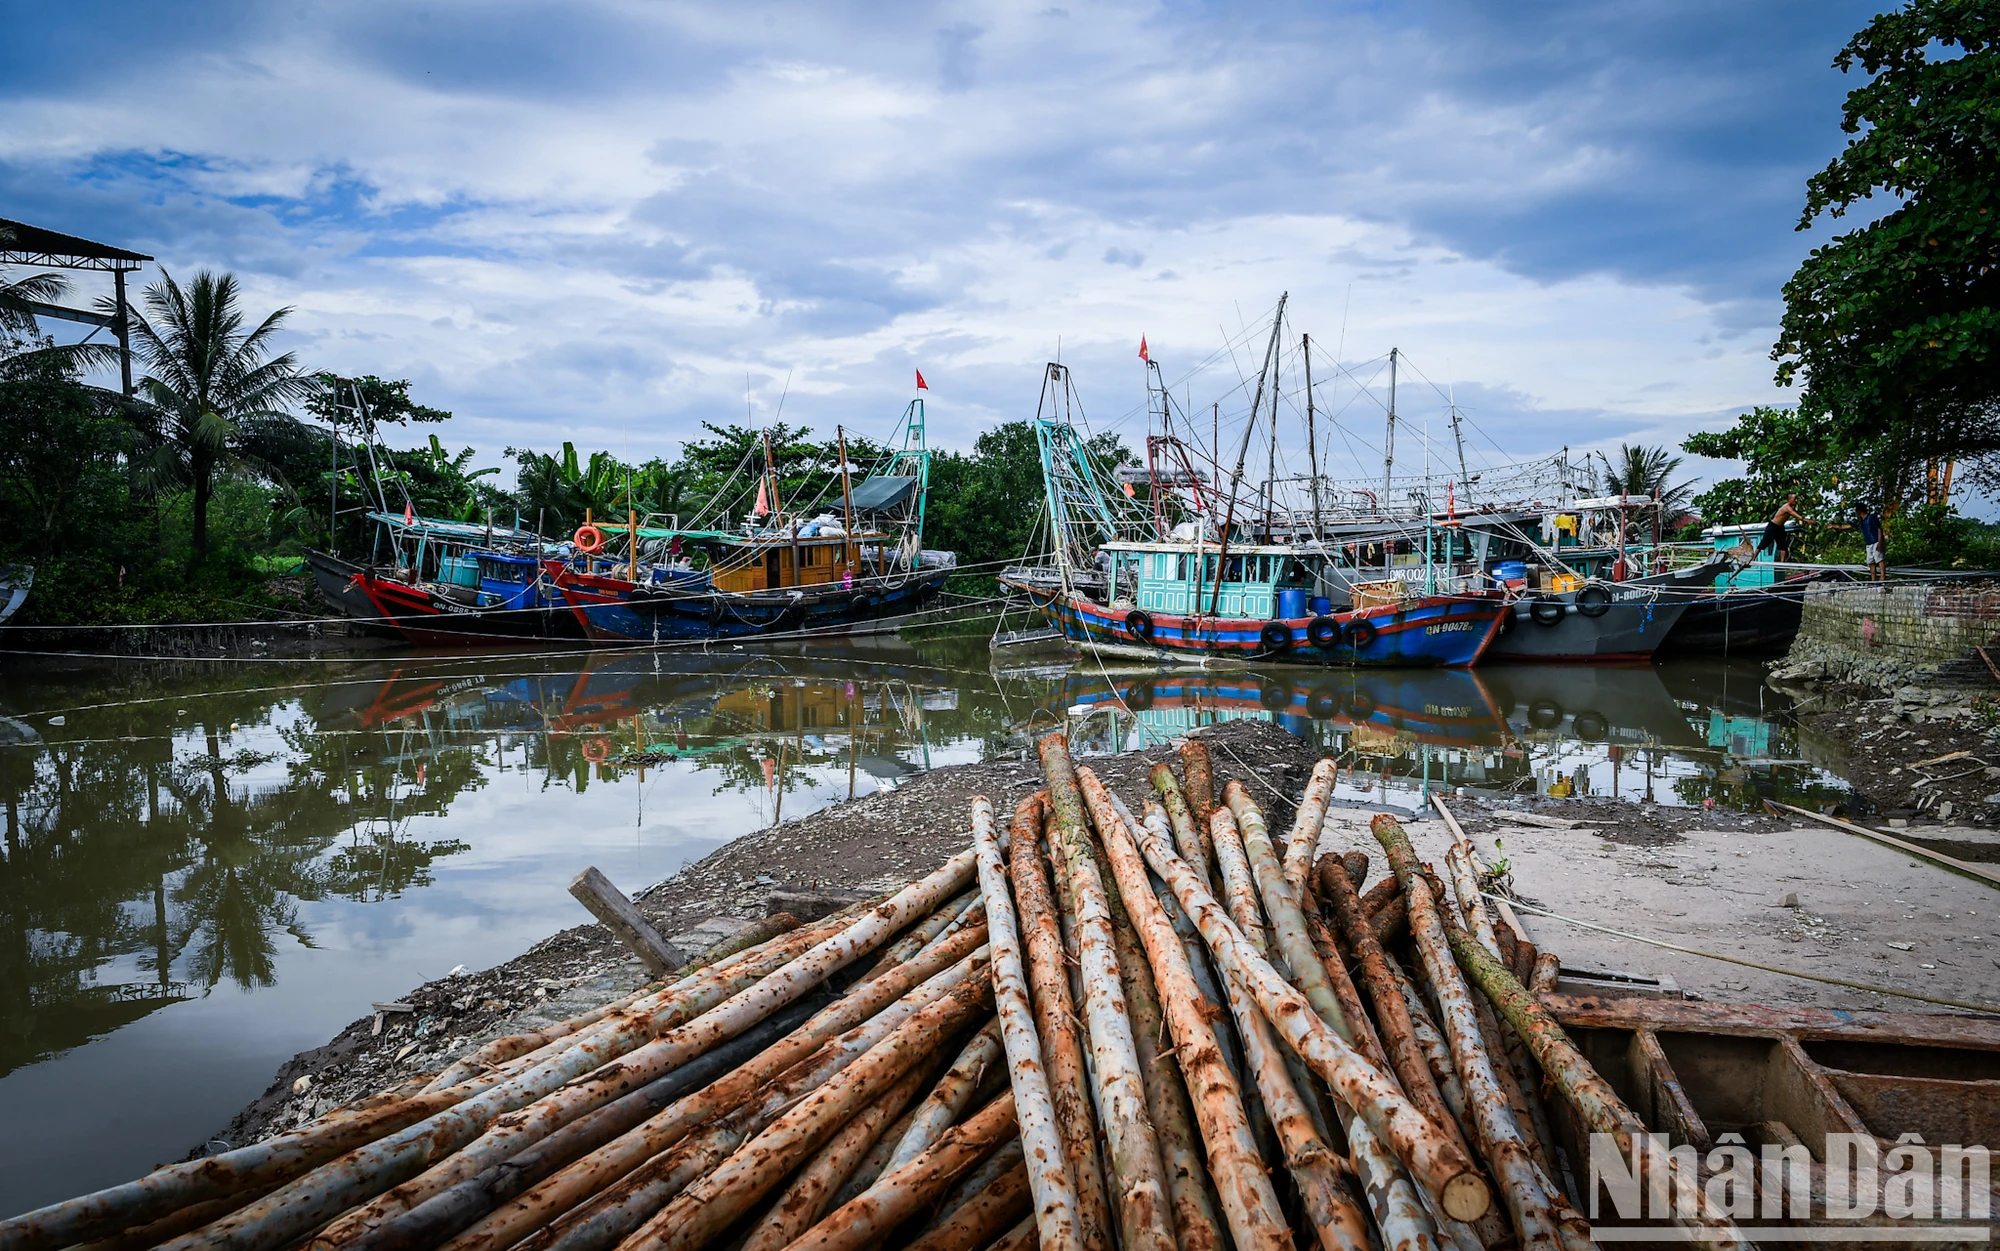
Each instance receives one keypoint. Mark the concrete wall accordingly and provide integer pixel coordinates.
(1912, 624)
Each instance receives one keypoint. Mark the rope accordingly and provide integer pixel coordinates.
(1748, 964)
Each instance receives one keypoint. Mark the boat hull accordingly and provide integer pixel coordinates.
(1432, 631)
(421, 616)
(615, 611)
(1625, 631)
(1739, 623)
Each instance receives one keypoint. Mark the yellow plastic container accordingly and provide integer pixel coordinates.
(1564, 582)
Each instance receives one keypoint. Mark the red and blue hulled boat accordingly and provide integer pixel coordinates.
(1161, 601)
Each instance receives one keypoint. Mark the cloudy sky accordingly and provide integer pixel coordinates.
(606, 221)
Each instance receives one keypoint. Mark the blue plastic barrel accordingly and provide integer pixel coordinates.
(1291, 602)
(1321, 605)
(1510, 570)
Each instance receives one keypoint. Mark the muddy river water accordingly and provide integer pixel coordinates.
(211, 866)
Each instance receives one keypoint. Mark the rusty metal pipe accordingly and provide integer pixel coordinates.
(1431, 1157)
(1144, 1207)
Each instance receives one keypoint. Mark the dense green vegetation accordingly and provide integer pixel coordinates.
(1891, 329)
(178, 504)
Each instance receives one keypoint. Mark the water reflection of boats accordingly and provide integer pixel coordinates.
(1626, 705)
(1443, 707)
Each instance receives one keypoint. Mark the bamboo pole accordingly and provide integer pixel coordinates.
(701, 1212)
(450, 1211)
(1432, 1158)
(1392, 1017)
(169, 1190)
(501, 1050)
(1304, 838)
(707, 1024)
(1188, 1185)
(1398, 1209)
(1255, 1218)
(806, 1198)
(1337, 1223)
(1055, 1021)
(975, 1222)
(1140, 1192)
(312, 1200)
(1047, 1171)
(868, 1219)
(1500, 1137)
(1595, 1102)
(1190, 833)
(939, 1110)
(865, 1014)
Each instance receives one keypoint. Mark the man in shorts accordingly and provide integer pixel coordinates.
(1774, 538)
(1870, 525)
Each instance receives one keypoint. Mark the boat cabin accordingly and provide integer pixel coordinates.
(1258, 582)
(1763, 568)
(773, 562)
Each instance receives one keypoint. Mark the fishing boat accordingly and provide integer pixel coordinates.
(447, 584)
(782, 572)
(15, 583)
(1192, 582)
(1754, 609)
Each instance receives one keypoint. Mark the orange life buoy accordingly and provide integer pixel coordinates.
(591, 545)
(596, 750)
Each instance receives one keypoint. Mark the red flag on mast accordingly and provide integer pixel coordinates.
(921, 384)
(409, 513)
(1142, 350)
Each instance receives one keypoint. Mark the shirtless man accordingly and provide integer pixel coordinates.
(1774, 538)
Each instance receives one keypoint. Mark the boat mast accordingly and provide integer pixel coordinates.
(846, 503)
(1458, 434)
(1389, 442)
(1243, 451)
(1312, 433)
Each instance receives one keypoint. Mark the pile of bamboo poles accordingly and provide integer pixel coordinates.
(1093, 1029)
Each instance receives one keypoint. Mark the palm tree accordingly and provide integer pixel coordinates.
(210, 379)
(1641, 470)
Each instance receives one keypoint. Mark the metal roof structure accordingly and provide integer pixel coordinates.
(22, 244)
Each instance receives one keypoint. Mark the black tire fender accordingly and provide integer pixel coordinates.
(1323, 632)
(1593, 601)
(1360, 634)
(1276, 636)
(1546, 611)
(1139, 624)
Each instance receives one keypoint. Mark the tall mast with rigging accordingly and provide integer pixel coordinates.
(1389, 441)
(1243, 451)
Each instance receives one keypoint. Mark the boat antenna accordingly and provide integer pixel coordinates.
(1312, 434)
(1243, 450)
(1389, 441)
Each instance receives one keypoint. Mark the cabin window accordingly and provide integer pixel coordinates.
(1234, 571)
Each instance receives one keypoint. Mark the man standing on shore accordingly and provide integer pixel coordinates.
(1870, 526)
(1774, 537)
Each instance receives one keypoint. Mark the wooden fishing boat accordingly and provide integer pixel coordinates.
(779, 573)
(15, 583)
(448, 584)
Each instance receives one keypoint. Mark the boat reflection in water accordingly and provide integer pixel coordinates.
(1557, 730)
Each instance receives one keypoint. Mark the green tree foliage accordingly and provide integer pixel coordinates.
(60, 461)
(351, 401)
(1643, 471)
(1892, 328)
(212, 383)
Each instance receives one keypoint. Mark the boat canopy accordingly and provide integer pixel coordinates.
(458, 531)
(875, 495)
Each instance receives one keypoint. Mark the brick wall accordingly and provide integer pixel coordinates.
(1902, 625)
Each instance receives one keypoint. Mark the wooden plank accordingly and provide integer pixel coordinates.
(1976, 872)
(1629, 1012)
(608, 904)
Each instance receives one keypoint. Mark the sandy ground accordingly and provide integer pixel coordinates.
(1778, 892)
